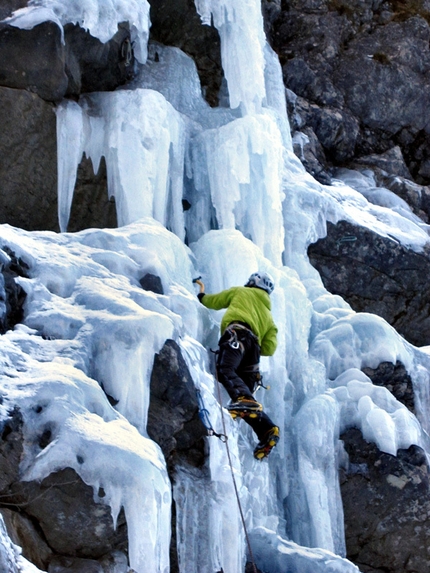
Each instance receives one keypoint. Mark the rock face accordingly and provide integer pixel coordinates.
(176, 23)
(37, 69)
(173, 417)
(386, 503)
(28, 161)
(360, 70)
(12, 295)
(378, 275)
(395, 378)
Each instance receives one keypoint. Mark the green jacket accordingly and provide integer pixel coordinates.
(250, 305)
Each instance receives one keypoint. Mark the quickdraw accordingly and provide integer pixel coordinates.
(204, 417)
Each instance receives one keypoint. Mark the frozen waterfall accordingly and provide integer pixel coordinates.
(88, 322)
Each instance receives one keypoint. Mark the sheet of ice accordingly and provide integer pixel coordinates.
(171, 72)
(101, 19)
(240, 26)
(89, 325)
(314, 503)
(273, 554)
(142, 139)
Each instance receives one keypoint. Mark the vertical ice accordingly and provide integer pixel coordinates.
(240, 26)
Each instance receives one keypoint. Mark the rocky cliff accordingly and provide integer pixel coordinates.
(356, 74)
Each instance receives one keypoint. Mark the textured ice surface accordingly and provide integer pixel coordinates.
(88, 319)
(275, 554)
(101, 19)
(242, 163)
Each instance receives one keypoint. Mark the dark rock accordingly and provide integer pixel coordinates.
(309, 150)
(176, 23)
(33, 60)
(152, 282)
(378, 275)
(60, 512)
(416, 196)
(386, 502)
(381, 74)
(74, 565)
(391, 162)
(173, 416)
(302, 80)
(395, 378)
(24, 533)
(337, 132)
(91, 206)
(91, 65)
(369, 61)
(71, 522)
(12, 295)
(28, 161)
(9, 6)
(10, 449)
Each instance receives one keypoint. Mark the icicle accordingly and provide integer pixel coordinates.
(240, 25)
(244, 162)
(143, 140)
(70, 147)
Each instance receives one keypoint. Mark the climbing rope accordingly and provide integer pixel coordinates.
(242, 517)
(204, 417)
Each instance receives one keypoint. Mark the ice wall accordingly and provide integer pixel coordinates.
(89, 325)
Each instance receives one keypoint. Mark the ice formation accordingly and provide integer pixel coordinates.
(88, 324)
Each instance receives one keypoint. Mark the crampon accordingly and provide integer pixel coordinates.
(244, 408)
(266, 445)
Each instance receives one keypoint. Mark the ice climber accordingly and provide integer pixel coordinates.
(247, 331)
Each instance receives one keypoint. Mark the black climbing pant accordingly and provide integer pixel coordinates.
(238, 371)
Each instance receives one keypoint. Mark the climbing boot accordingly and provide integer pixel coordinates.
(244, 407)
(266, 445)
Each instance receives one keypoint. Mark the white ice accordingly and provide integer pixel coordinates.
(143, 141)
(240, 26)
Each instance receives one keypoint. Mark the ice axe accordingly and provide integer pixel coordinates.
(198, 280)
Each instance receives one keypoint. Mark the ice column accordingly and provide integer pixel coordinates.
(243, 162)
(143, 140)
(240, 26)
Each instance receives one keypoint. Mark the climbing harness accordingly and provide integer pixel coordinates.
(204, 417)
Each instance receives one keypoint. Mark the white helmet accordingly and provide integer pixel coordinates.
(261, 280)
